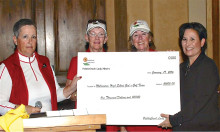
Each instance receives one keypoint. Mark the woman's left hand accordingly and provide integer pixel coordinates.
(71, 88)
(73, 84)
(166, 123)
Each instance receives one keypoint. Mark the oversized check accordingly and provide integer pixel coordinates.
(131, 88)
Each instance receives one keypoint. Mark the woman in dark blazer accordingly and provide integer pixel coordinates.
(199, 81)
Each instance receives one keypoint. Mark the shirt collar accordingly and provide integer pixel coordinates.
(197, 61)
(26, 58)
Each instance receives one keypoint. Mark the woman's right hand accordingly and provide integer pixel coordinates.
(31, 109)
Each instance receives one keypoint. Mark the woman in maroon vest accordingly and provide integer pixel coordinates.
(27, 77)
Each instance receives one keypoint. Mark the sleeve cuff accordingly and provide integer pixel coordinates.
(60, 96)
(175, 120)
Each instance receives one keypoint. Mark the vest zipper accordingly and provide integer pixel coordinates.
(32, 69)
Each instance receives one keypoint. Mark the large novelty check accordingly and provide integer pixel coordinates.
(131, 88)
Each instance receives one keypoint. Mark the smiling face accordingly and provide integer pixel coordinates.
(27, 40)
(140, 40)
(192, 44)
(96, 38)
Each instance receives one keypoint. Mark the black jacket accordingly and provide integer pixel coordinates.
(199, 97)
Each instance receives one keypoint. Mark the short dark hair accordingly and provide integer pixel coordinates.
(199, 28)
(96, 20)
(21, 23)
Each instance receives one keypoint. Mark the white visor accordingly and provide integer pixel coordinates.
(95, 25)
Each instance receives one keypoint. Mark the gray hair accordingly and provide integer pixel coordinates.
(21, 23)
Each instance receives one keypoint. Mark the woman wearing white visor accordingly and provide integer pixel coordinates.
(96, 38)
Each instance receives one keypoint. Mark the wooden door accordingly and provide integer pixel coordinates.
(61, 26)
(10, 12)
(71, 17)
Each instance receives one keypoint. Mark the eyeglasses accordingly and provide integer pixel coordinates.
(100, 35)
